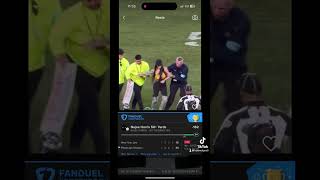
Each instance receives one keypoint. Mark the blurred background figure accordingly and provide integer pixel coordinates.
(229, 28)
(42, 15)
(81, 36)
(256, 127)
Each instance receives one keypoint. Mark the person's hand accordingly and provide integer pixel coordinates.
(97, 44)
(101, 44)
(62, 59)
(163, 81)
(107, 44)
(142, 74)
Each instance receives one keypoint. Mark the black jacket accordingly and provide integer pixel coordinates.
(229, 39)
(181, 74)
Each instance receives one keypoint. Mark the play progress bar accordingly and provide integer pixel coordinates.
(195, 134)
(159, 177)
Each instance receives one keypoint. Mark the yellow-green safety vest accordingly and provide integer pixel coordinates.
(77, 26)
(135, 69)
(42, 14)
(123, 65)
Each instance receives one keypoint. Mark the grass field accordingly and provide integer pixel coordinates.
(40, 101)
(141, 34)
(269, 54)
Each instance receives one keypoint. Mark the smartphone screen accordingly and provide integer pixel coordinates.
(160, 117)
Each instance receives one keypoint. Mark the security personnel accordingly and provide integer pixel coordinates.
(42, 14)
(256, 127)
(179, 72)
(137, 72)
(230, 29)
(123, 65)
(81, 35)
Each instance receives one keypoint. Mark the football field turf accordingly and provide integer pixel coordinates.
(141, 33)
(269, 54)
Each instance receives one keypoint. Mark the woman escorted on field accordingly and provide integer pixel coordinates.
(159, 78)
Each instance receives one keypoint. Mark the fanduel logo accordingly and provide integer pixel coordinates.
(81, 173)
(45, 173)
(124, 117)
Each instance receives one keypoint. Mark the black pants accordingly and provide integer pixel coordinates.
(88, 88)
(159, 87)
(120, 87)
(137, 97)
(34, 79)
(230, 80)
(173, 90)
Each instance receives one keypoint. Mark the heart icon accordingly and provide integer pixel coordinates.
(268, 142)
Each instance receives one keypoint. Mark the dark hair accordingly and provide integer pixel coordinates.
(188, 88)
(121, 52)
(138, 57)
(250, 83)
(158, 63)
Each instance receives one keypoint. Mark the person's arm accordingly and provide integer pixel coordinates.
(103, 42)
(180, 105)
(168, 75)
(170, 68)
(126, 64)
(128, 73)
(198, 97)
(184, 75)
(58, 35)
(56, 10)
(147, 68)
(99, 44)
(145, 71)
(230, 50)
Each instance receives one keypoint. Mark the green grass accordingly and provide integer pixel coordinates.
(269, 54)
(141, 34)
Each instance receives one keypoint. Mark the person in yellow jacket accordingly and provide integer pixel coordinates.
(123, 65)
(137, 72)
(81, 35)
(42, 14)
